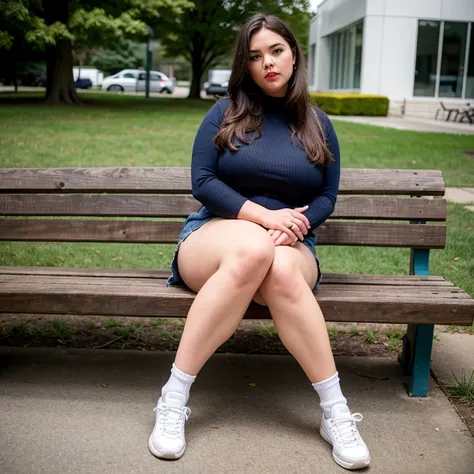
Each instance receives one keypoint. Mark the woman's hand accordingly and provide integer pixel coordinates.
(291, 224)
(280, 238)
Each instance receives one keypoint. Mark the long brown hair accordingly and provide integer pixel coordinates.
(245, 110)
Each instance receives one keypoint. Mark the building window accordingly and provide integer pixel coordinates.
(346, 58)
(470, 66)
(426, 58)
(452, 63)
(312, 64)
(358, 55)
(444, 60)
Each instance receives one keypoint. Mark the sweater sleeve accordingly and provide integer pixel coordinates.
(322, 206)
(207, 188)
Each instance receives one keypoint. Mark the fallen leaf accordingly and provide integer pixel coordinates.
(6, 160)
(469, 228)
(103, 384)
(117, 258)
(436, 429)
(97, 251)
(160, 253)
(252, 384)
(414, 162)
(456, 258)
(448, 268)
(91, 248)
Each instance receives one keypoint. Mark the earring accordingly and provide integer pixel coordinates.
(294, 66)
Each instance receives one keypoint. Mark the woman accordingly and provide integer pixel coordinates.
(266, 168)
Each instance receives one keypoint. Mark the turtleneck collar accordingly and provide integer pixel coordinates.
(273, 104)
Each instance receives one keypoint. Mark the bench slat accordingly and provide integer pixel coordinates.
(101, 284)
(329, 233)
(334, 278)
(347, 207)
(126, 297)
(178, 180)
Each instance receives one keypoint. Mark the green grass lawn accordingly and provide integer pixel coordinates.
(127, 131)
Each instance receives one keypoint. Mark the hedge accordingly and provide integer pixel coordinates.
(350, 104)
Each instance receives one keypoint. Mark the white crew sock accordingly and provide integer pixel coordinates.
(330, 394)
(178, 382)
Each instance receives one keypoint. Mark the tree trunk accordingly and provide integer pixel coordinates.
(60, 83)
(59, 80)
(197, 70)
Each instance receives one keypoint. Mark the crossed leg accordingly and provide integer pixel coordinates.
(286, 290)
(230, 262)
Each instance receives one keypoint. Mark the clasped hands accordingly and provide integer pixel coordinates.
(286, 226)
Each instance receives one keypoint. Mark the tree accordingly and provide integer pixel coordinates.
(57, 25)
(205, 34)
(121, 55)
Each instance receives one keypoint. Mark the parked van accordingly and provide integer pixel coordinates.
(217, 82)
(91, 73)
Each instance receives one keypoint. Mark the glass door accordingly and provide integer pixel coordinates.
(453, 58)
(426, 58)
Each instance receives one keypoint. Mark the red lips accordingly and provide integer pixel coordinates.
(271, 74)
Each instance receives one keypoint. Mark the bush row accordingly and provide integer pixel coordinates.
(350, 104)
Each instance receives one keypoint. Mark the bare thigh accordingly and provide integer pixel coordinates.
(204, 251)
(288, 259)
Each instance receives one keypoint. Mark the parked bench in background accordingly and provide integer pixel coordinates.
(378, 196)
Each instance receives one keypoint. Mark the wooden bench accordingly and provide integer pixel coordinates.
(382, 208)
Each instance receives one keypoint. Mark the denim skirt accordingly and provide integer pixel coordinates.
(196, 220)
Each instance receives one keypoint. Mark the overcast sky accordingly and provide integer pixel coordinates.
(314, 4)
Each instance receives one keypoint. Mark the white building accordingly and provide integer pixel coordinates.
(398, 48)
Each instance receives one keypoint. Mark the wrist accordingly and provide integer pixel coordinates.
(252, 212)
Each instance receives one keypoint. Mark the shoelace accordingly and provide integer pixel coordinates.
(171, 418)
(346, 428)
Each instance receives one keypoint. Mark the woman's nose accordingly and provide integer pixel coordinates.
(268, 61)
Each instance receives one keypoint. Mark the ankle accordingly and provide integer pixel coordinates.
(327, 407)
(330, 394)
(179, 382)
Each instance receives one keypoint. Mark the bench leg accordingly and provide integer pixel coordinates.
(418, 341)
(416, 357)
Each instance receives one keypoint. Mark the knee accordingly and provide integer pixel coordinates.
(283, 279)
(250, 260)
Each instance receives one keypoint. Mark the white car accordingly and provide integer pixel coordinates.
(133, 80)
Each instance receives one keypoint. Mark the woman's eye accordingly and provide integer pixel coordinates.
(279, 49)
(252, 58)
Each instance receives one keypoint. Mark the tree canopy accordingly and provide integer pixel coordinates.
(57, 26)
(206, 33)
(203, 32)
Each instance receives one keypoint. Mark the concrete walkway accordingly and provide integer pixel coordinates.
(412, 123)
(453, 354)
(460, 195)
(84, 411)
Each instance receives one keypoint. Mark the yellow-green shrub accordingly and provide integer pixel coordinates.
(350, 104)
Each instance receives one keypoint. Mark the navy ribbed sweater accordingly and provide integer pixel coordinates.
(270, 171)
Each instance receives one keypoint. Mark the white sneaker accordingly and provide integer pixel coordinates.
(167, 440)
(340, 431)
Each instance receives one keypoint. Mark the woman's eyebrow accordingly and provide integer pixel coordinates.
(270, 47)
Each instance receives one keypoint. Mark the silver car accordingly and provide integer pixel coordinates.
(133, 80)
